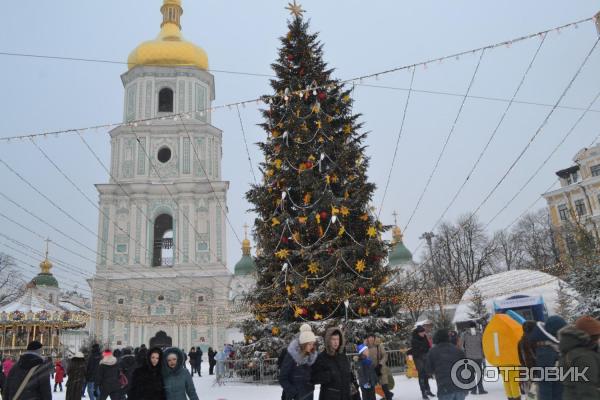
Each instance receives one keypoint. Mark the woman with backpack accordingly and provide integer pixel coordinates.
(147, 380)
(109, 379)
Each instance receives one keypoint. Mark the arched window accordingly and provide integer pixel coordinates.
(165, 100)
(163, 241)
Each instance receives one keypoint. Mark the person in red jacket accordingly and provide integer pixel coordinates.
(59, 375)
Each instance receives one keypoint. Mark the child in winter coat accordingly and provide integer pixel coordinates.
(367, 377)
(59, 375)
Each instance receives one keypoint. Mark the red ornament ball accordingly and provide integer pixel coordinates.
(308, 164)
(322, 96)
(361, 291)
(323, 214)
(304, 311)
(290, 57)
(284, 239)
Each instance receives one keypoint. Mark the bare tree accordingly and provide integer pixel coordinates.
(462, 253)
(510, 252)
(11, 282)
(535, 234)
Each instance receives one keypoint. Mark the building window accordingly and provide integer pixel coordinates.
(563, 212)
(161, 297)
(165, 100)
(572, 178)
(121, 248)
(200, 299)
(120, 301)
(580, 207)
(163, 241)
(51, 299)
(595, 170)
(164, 154)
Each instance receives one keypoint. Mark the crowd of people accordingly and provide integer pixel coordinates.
(120, 374)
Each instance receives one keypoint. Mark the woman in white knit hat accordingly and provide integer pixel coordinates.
(294, 375)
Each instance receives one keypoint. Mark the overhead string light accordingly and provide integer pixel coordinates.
(269, 99)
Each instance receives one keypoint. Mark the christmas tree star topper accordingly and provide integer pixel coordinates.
(295, 9)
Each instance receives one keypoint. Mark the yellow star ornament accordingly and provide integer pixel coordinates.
(360, 265)
(282, 254)
(313, 267)
(371, 232)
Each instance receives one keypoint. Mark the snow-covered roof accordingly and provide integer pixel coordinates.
(68, 306)
(509, 283)
(30, 301)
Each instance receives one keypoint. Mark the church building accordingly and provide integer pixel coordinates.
(162, 223)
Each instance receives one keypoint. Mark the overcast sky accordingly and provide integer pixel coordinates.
(359, 37)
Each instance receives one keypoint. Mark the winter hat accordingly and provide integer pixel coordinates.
(107, 352)
(79, 355)
(33, 346)
(589, 325)
(306, 335)
(441, 336)
(420, 329)
(361, 348)
(546, 331)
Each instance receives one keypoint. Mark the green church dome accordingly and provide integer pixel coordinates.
(45, 280)
(399, 254)
(246, 265)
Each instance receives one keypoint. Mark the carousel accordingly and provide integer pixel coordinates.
(37, 314)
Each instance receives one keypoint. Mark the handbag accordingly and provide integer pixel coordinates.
(25, 382)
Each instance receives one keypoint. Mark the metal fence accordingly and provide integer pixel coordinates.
(265, 370)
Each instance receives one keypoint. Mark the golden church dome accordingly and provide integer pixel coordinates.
(169, 49)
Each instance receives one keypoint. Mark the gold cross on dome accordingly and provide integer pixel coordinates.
(295, 9)
(395, 214)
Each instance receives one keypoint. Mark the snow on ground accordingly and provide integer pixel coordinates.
(406, 389)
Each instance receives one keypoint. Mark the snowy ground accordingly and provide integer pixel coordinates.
(406, 389)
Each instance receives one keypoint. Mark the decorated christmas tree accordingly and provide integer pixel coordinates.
(322, 259)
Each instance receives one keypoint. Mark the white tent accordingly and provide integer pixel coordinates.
(510, 283)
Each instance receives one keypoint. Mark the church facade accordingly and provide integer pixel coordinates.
(162, 222)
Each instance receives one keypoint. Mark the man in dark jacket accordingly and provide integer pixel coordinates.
(419, 347)
(199, 354)
(93, 363)
(579, 349)
(439, 362)
(38, 387)
(212, 362)
(107, 377)
(332, 368)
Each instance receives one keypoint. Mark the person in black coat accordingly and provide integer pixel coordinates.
(141, 356)
(199, 354)
(127, 364)
(439, 362)
(419, 347)
(193, 360)
(93, 363)
(332, 368)
(107, 377)
(211, 361)
(76, 371)
(38, 387)
(147, 381)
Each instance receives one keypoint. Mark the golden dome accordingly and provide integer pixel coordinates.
(169, 48)
(397, 234)
(45, 266)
